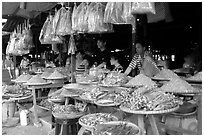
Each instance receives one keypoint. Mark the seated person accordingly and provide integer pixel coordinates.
(143, 61)
(115, 62)
(24, 62)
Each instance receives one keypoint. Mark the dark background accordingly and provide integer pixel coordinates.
(177, 37)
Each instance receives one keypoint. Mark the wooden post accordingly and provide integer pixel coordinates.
(73, 68)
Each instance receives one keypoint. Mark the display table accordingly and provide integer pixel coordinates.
(36, 120)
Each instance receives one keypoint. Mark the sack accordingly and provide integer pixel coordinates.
(143, 7)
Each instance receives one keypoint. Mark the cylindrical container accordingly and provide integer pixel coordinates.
(24, 117)
(11, 108)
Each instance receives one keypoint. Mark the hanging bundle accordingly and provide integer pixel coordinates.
(72, 46)
(74, 18)
(64, 23)
(82, 25)
(43, 31)
(95, 19)
(113, 13)
(143, 7)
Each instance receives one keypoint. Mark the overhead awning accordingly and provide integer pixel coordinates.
(25, 9)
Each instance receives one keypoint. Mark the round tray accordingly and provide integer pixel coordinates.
(110, 86)
(106, 105)
(160, 79)
(87, 83)
(60, 78)
(56, 100)
(85, 98)
(149, 112)
(20, 98)
(92, 115)
(68, 116)
(129, 124)
(186, 92)
(37, 84)
(73, 86)
(194, 81)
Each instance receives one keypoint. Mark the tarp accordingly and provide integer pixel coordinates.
(25, 9)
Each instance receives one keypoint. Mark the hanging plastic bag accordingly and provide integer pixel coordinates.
(127, 15)
(74, 18)
(143, 7)
(43, 31)
(72, 46)
(82, 18)
(108, 12)
(58, 15)
(116, 16)
(28, 39)
(68, 23)
(64, 23)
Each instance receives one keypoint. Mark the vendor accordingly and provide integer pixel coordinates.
(115, 62)
(103, 57)
(143, 61)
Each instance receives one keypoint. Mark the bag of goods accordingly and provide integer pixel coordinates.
(127, 15)
(113, 13)
(64, 23)
(95, 18)
(143, 7)
(28, 39)
(43, 31)
(82, 25)
(50, 37)
(71, 46)
(74, 18)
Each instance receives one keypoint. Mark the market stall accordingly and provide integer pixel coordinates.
(98, 101)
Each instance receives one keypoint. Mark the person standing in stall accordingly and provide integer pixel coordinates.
(103, 57)
(143, 61)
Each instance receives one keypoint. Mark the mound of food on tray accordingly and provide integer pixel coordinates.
(141, 80)
(196, 77)
(45, 104)
(45, 74)
(150, 100)
(68, 109)
(117, 128)
(23, 78)
(109, 99)
(92, 120)
(15, 91)
(178, 86)
(36, 80)
(56, 75)
(86, 79)
(93, 94)
(166, 74)
(115, 78)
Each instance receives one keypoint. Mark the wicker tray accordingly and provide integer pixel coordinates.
(149, 112)
(129, 124)
(107, 105)
(21, 98)
(110, 86)
(90, 127)
(194, 81)
(160, 79)
(56, 100)
(184, 92)
(68, 116)
(37, 84)
(87, 83)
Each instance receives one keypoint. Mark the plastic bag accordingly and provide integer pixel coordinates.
(43, 31)
(74, 18)
(72, 45)
(58, 15)
(82, 25)
(28, 39)
(108, 11)
(68, 23)
(127, 15)
(61, 21)
(143, 7)
(96, 20)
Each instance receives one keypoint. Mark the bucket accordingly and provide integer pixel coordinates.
(11, 109)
